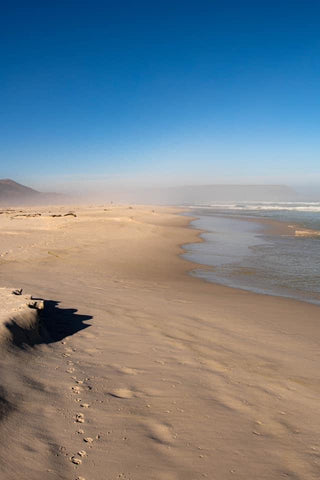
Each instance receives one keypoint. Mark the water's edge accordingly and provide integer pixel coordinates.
(243, 253)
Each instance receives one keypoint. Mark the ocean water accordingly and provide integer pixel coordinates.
(243, 255)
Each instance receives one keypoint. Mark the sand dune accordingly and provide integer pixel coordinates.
(19, 318)
(144, 371)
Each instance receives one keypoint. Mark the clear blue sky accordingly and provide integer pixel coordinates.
(175, 91)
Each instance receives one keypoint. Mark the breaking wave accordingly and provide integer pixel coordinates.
(265, 206)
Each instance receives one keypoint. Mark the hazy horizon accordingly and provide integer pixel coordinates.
(205, 194)
(99, 187)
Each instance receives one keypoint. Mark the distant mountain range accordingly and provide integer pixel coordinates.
(9, 188)
(207, 194)
(13, 193)
(204, 194)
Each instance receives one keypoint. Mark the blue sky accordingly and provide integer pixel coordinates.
(160, 92)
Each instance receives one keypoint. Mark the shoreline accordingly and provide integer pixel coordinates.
(275, 227)
(152, 374)
(271, 227)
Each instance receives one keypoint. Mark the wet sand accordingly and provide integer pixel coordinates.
(141, 371)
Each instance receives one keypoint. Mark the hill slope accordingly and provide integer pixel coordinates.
(13, 193)
(10, 189)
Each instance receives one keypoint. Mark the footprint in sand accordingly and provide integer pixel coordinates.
(124, 370)
(121, 393)
(88, 440)
(85, 405)
(159, 432)
(80, 418)
(75, 390)
(128, 371)
(76, 461)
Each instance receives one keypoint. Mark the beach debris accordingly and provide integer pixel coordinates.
(27, 215)
(18, 291)
(37, 304)
(121, 393)
(54, 254)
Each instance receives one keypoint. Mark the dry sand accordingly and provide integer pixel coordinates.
(139, 371)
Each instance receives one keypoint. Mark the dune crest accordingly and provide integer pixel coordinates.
(20, 318)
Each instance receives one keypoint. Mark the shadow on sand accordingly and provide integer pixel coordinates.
(54, 324)
(62, 322)
(5, 406)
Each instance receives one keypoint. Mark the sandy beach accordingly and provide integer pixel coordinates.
(136, 370)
